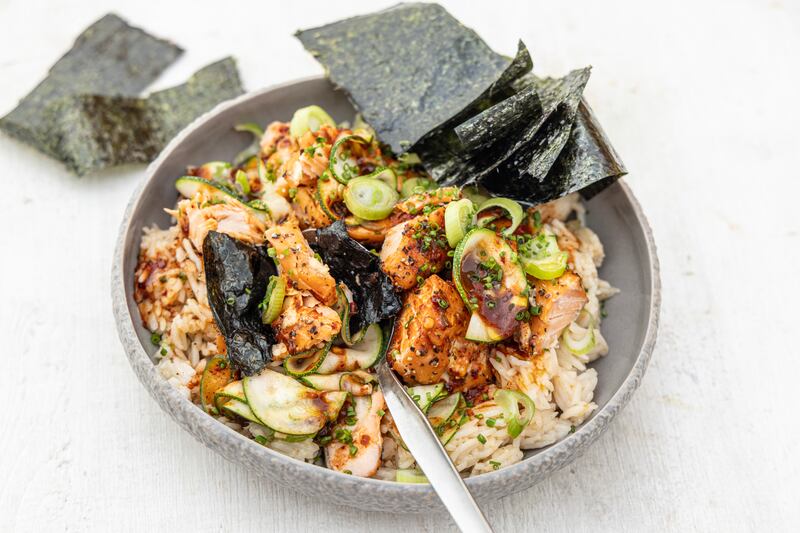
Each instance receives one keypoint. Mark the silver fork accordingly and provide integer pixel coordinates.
(429, 453)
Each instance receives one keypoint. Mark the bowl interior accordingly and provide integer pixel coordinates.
(613, 214)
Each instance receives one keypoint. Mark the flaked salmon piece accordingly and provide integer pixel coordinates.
(304, 323)
(299, 263)
(358, 448)
(469, 366)
(567, 241)
(373, 232)
(275, 133)
(560, 208)
(433, 316)
(308, 211)
(196, 218)
(415, 249)
(560, 301)
(414, 204)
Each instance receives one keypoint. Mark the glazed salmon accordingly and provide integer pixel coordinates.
(308, 211)
(357, 448)
(469, 366)
(304, 323)
(560, 301)
(415, 249)
(374, 232)
(433, 316)
(299, 263)
(196, 218)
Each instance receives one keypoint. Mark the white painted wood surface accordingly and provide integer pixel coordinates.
(701, 101)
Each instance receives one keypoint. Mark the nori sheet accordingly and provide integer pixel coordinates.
(237, 274)
(110, 57)
(588, 163)
(358, 268)
(97, 131)
(498, 139)
(411, 69)
(470, 115)
(501, 120)
(441, 150)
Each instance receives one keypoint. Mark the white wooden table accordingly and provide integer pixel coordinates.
(701, 101)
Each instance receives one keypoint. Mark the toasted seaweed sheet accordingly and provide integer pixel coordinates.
(522, 134)
(471, 115)
(97, 131)
(411, 69)
(237, 274)
(360, 270)
(501, 120)
(588, 162)
(110, 57)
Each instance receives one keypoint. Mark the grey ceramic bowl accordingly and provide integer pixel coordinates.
(631, 264)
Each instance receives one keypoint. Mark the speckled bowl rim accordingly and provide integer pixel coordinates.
(340, 488)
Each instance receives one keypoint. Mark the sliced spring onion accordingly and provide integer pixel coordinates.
(215, 169)
(547, 268)
(509, 401)
(514, 210)
(457, 218)
(254, 147)
(386, 175)
(273, 299)
(491, 282)
(342, 164)
(309, 119)
(578, 340)
(410, 476)
(242, 181)
(263, 174)
(369, 198)
(250, 127)
(414, 186)
(542, 258)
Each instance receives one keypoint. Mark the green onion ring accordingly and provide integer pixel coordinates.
(369, 198)
(508, 401)
(457, 218)
(273, 299)
(514, 210)
(309, 119)
(344, 168)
